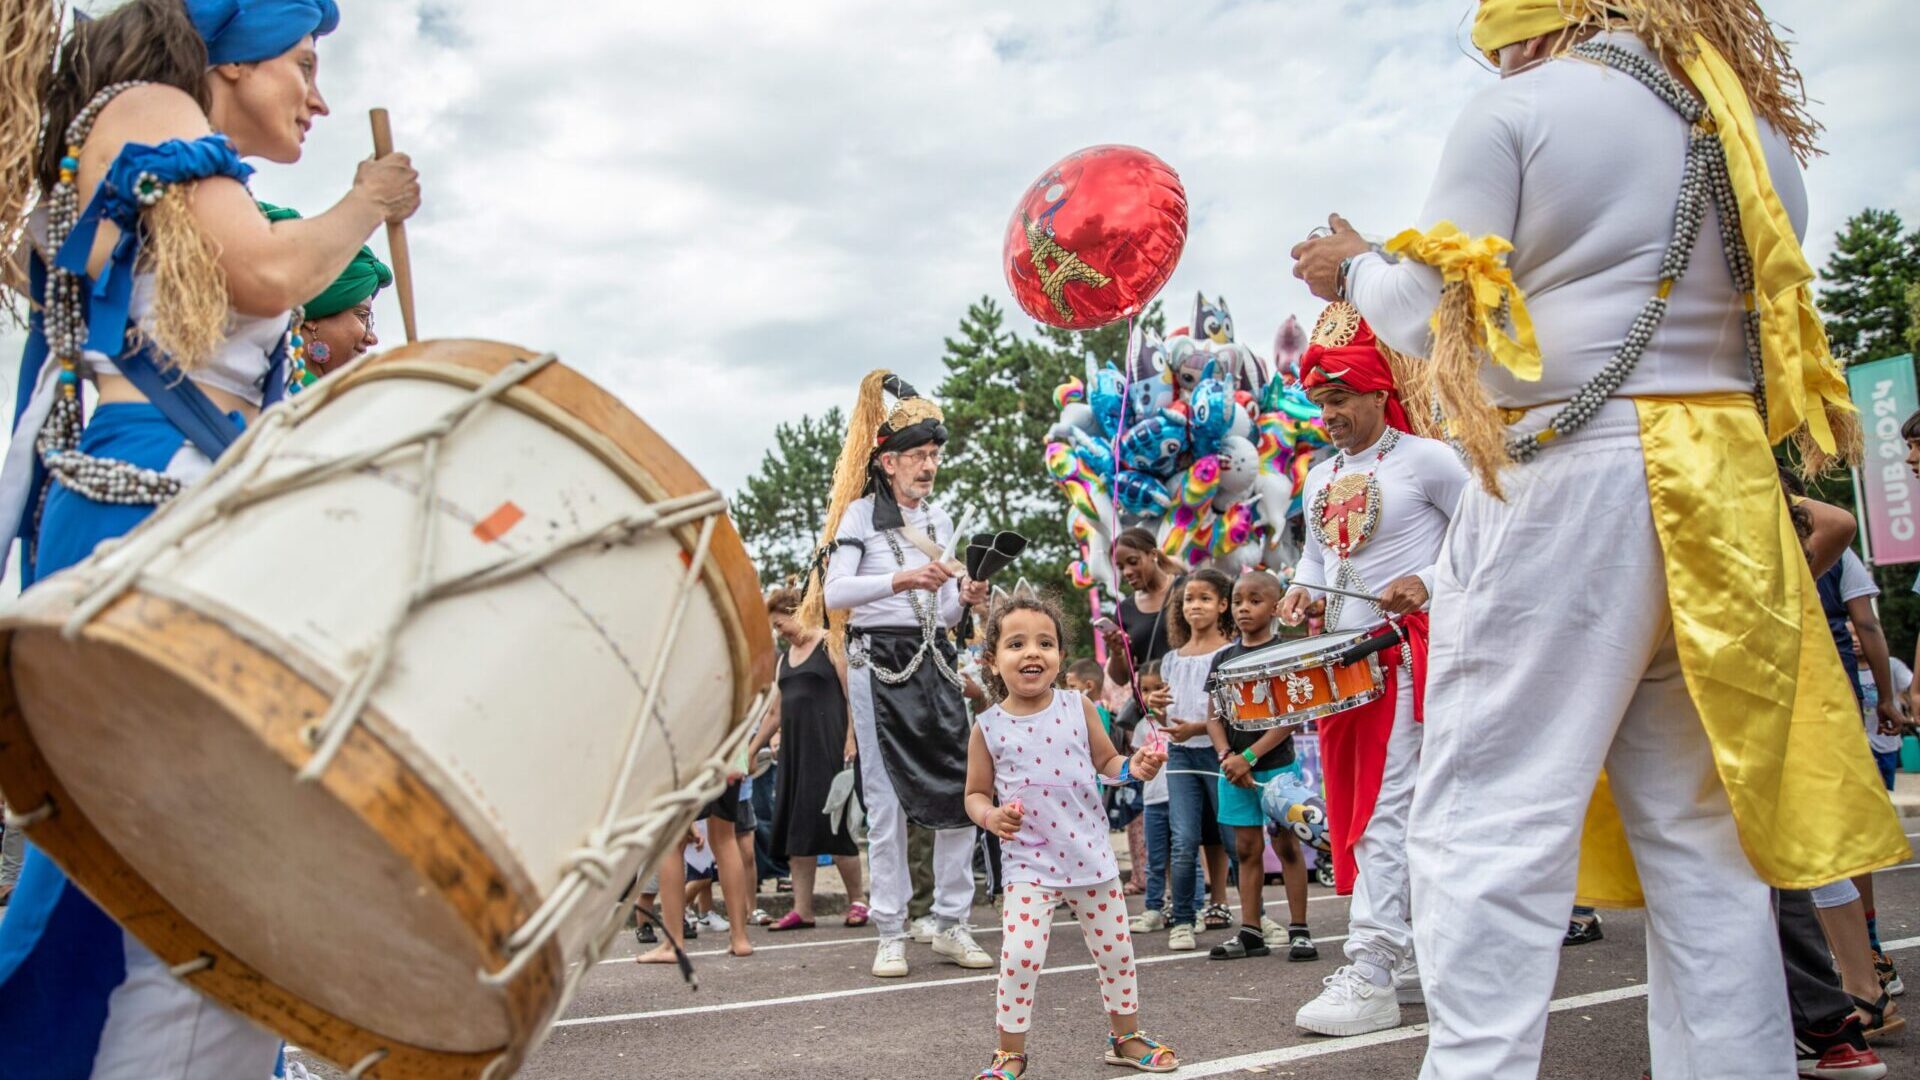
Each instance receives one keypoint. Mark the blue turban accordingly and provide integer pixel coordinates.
(249, 31)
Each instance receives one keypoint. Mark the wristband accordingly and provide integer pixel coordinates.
(1250, 755)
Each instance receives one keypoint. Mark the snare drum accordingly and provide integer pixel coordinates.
(368, 732)
(1289, 684)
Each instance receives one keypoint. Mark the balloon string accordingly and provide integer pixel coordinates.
(1113, 539)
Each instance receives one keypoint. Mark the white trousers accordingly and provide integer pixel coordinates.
(1380, 916)
(1553, 655)
(159, 1028)
(890, 887)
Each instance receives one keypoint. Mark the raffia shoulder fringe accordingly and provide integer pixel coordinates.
(29, 33)
(849, 484)
(190, 302)
(1452, 380)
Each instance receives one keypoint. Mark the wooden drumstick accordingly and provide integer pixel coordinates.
(396, 231)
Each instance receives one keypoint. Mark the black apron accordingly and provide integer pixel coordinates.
(922, 726)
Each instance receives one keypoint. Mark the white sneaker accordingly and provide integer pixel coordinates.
(1406, 984)
(1148, 922)
(713, 920)
(1274, 932)
(956, 943)
(890, 962)
(1180, 938)
(1350, 1005)
(923, 929)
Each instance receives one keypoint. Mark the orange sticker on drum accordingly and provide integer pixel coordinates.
(499, 523)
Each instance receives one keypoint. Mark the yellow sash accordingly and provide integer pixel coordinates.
(1786, 732)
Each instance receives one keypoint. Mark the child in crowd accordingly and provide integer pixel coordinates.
(1035, 762)
(1155, 814)
(1200, 628)
(1087, 679)
(1248, 760)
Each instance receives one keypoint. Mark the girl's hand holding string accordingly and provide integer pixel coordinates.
(1147, 762)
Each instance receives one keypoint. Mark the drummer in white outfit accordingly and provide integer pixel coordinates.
(910, 718)
(1417, 483)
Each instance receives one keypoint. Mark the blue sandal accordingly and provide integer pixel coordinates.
(1159, 1057)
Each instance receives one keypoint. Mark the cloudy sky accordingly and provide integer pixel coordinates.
(727, 211)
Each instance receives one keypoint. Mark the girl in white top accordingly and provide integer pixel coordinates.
(1034, 766)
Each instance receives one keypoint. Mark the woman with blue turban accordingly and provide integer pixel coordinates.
(128, 153)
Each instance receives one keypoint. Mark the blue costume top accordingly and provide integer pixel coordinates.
(60, 956)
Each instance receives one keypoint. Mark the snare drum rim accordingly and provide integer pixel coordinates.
(1302, 717)
(1326, 645)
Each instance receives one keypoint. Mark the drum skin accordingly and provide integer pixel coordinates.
(353, 914)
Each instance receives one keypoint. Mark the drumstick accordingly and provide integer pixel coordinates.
(1342, 592)
(396, 231)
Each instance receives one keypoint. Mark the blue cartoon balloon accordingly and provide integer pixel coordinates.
(1141, 494)
(1149, 385)
(1289, 805)
(1094, 453)
(1153, 445)
(1210, 411)
(1107, 393)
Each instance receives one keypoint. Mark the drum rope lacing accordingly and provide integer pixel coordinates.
(235, 483)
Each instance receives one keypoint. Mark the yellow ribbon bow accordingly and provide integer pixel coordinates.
(1481, 265)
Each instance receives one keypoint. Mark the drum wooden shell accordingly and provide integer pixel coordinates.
(1295, 682)
(353, 914)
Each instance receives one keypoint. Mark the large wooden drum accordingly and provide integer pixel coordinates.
(369, 732)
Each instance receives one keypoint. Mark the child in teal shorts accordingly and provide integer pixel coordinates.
(1248, 759)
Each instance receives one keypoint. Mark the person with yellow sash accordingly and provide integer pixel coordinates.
(1616, 312)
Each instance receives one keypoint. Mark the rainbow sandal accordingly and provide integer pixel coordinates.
(1159, 1057)
(997, 1068)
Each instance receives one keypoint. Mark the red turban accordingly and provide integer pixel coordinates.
(1345, 353)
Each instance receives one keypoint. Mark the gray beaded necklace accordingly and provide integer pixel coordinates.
(1705, 177)
(104, 480)
(926, 608)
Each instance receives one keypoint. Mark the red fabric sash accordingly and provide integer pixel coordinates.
(1353, 751)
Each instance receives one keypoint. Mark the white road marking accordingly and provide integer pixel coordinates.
(868, 939)
(863, 991)
(1322, 1047)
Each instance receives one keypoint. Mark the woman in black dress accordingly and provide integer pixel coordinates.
(816, 742)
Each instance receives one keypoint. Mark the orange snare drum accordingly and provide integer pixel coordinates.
(1288, 684)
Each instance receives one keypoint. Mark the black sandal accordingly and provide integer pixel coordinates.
(1236, 948)
(1878, 1024)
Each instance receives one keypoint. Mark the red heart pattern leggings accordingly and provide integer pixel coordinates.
(1028, 922)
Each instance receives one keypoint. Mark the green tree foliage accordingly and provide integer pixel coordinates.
(1865, 284)
(998, 397)
(781, 510)
(1870, 301)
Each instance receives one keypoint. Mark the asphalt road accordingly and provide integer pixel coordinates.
(804, 1006)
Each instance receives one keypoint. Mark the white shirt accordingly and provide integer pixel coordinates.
(1902, 678)
(1187, 680)
(1855, 582)
(1579, 166)
(860, 573)
(1153, 792)
(1420, 483)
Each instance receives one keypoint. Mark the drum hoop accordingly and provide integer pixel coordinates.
(569, 403)
(1302, 717)
(69, 836)
(1333, 645)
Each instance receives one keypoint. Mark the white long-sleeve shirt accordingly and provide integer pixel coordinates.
(1420, 484)
(860, 573)
(1579, 166)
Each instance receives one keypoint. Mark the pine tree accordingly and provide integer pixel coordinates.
(1864, 297)
(998, 396)
(781, 510)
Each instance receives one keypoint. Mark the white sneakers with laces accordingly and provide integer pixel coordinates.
(923, 929)
(1350, 1005)
(890, 962)
(956, 944)
(1406, 984)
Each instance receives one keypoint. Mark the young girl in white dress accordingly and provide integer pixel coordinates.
(1034, 767)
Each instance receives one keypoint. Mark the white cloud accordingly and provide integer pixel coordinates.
(726, 212)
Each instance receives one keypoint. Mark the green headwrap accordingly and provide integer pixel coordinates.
(363, 277)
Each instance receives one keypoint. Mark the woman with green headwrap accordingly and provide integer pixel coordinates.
(336, 327)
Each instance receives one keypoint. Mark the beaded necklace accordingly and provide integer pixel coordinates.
(1358, 497)
(926, 610)
(1705, 178)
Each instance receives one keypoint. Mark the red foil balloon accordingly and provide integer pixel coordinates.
(1095, 237)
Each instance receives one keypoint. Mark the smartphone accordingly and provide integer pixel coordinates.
(1105, 625)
